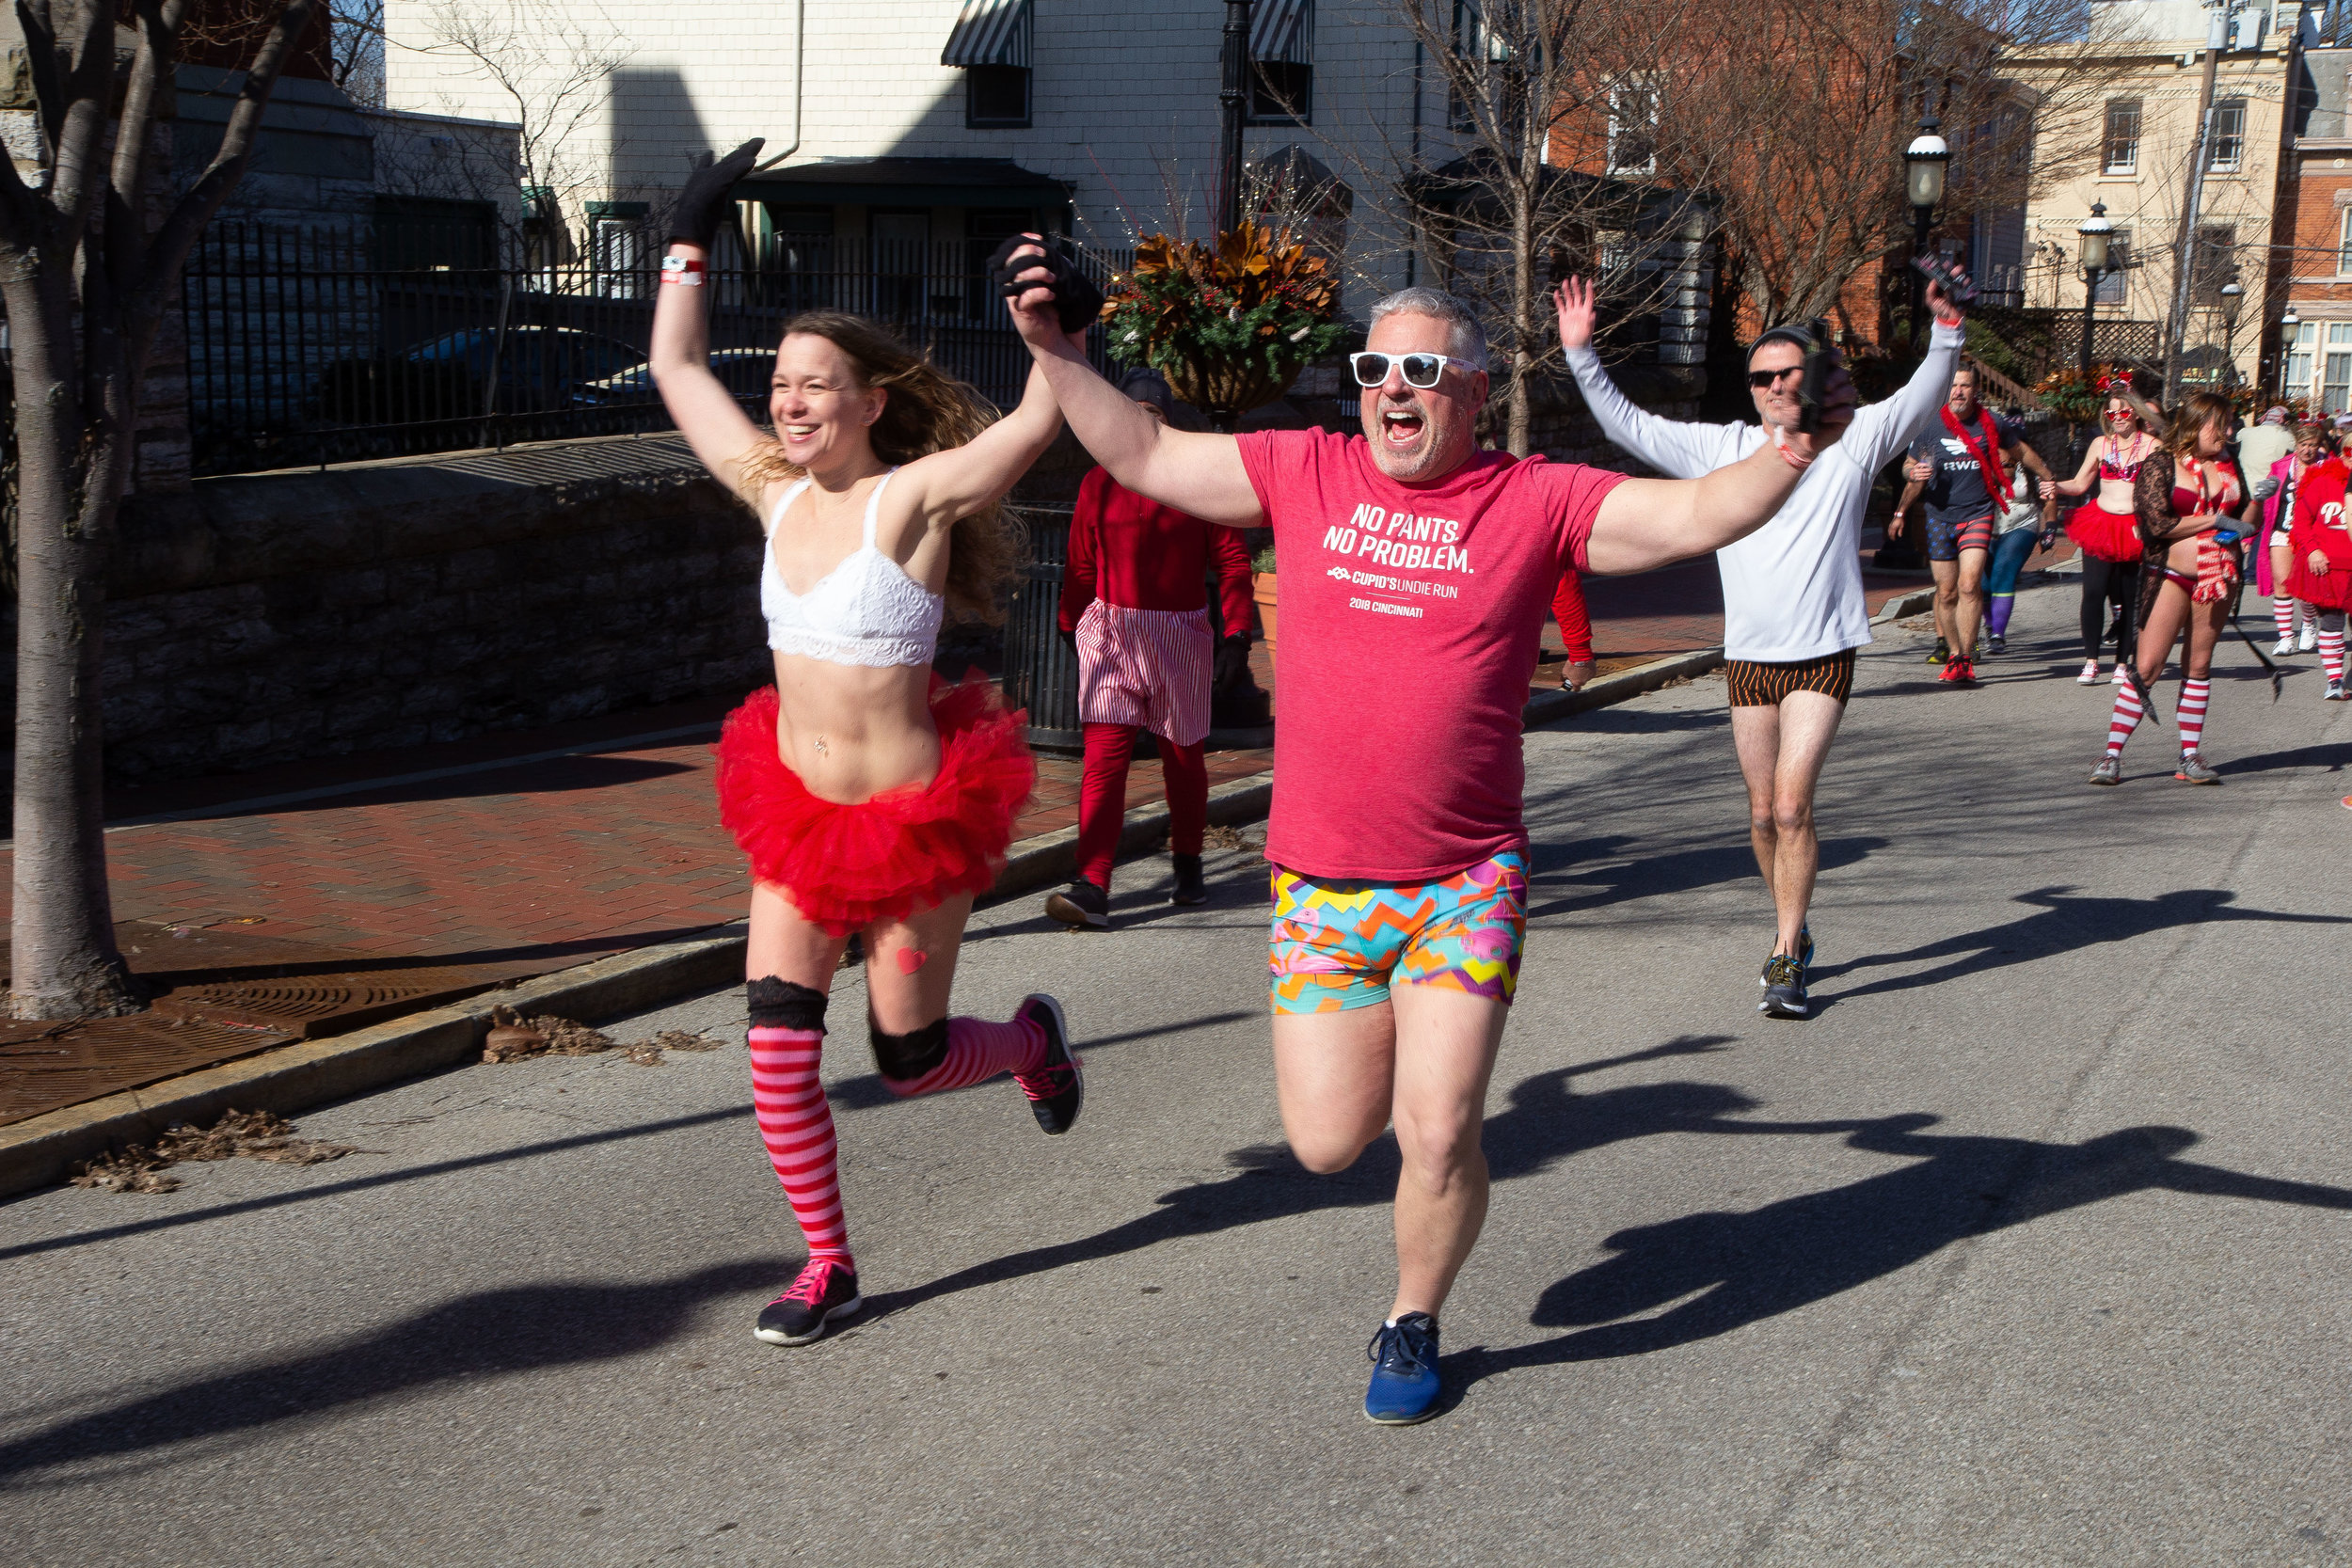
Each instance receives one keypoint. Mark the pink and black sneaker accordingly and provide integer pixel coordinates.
(825, 1291)
(1055, 1090)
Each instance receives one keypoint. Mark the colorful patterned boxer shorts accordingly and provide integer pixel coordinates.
(1338, 944)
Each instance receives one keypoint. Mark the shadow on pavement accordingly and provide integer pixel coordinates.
(2064, 924)
(1647, 876)
(487, 1334)
(2331, 758)
(1746, 1267)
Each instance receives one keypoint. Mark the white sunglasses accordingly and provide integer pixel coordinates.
(1421, 369)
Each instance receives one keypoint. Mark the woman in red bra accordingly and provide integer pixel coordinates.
(2189, 498)
(2107, 532)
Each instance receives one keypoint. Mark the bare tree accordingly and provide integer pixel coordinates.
(85, 281)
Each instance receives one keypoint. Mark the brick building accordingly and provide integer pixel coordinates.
(2312, 263)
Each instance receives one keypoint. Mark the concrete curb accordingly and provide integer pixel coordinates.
(1917, 602)
(294, 1078)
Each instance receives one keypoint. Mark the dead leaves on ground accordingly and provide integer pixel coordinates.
(238, 1134)
(515, 1039)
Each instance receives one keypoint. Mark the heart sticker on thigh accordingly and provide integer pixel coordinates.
(911, 960)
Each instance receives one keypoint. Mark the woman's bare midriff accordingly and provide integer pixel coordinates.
(2115, 495)
(851, 732)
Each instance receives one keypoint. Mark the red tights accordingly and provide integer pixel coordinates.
(1102, 797)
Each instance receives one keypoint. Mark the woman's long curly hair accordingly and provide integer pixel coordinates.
(926, 411)
(2195, 411)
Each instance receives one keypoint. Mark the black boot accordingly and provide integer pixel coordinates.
(1081, 904)
(1190, 887)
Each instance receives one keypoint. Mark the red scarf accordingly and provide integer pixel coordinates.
(1987, 453)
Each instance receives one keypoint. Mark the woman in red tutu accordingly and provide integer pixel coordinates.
(2191, 500)
(870, 795)
(2319, 568)
(2106, 531)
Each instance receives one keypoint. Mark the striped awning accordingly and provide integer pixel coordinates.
(990, 32)
(1282, 30)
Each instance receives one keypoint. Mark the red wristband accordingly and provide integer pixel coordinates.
(682, 269)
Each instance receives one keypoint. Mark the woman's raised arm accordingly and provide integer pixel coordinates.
(959, 481)
(705, 412)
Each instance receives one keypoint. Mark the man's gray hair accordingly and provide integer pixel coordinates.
(1470, 339)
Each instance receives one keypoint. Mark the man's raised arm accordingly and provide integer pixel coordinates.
(1674, 449)
(1202, 475)
(1886, 428)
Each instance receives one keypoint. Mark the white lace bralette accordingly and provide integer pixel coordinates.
(866, 612)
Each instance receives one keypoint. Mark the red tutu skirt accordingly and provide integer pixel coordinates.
(2105, 535)
(2332, 592)
(845, 867)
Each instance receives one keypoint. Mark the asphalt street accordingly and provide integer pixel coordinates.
(2032, 1248)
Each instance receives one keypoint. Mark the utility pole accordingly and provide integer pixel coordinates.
(2185, 242)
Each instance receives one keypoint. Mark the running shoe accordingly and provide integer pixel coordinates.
(1784, 989)
(1404, 1356)
(1191, 888)
(1057, 1090)
(825, 1292)
(2336, 692)
(2193, 770)
(2119, 677)
(2109, 771)
(1995, 644)
(2284, 646)
(1958, 671)
(2308, 638)
(2090, 674)
(1081, 904)
(1942, 651)
(1805, 956)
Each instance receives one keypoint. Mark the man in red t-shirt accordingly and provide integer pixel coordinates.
(1415, 573)
(1135, 604)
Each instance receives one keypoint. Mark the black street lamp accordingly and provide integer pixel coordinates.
(1234, 99)
(2233, 301)
(1924, 164)
(2096, 232)
(2287, 323)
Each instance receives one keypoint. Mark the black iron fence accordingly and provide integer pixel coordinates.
(305, 347)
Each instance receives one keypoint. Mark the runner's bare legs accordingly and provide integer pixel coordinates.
(1781, 753)
(1425, 1057)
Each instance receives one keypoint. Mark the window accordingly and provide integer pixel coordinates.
(1481, 55)
(1633, 129)
(2215, 263)
(996, 96)
(2335, 393)
(901, 240)
(1282, 62)
(2343, 243)
(616, 248)
(2296, 343)
(2122, 136)
(992, 42)
(2226, 148)
(2115, 283)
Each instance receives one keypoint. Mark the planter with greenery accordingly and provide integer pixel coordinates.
(1229, 325)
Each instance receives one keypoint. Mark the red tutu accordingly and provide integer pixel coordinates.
(2332, 592)
(908, 848)
(2108, 535)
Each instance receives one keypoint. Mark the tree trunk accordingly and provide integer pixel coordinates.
(63, 958)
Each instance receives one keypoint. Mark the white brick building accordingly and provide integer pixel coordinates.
(1099, 116)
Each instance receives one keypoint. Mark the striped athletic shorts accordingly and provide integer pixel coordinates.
(1149, 668)
(1755, 685)
(1945, 540)
(1339, 945)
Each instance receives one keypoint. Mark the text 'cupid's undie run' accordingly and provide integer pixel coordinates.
(1400, 540)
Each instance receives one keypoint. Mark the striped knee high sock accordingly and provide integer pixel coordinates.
(976, 1051)
(2331, 651)
(2282, 615)
(2190, 714)
(797, 1126)
(2125, 719)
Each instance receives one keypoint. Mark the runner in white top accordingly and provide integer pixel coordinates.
(1793, 606)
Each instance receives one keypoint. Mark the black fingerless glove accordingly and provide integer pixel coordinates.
(1233, 663)
(1076, 301)
(703, 205)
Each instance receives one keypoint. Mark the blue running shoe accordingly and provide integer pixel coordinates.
(1403, 1372)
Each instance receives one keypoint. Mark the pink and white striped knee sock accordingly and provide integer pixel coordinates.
(2331, 648)
(2190, 714)
(2125, 719)
(2282, 615)
(978, 1050)
(797, 1126)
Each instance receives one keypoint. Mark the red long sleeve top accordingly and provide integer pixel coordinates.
(1128, 550)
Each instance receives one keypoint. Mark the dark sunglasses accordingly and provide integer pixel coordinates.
(1421, 369)
(1761, 379)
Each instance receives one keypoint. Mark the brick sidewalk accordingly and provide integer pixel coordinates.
(545, 861)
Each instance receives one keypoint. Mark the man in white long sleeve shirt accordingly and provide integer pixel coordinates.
(1793, 607)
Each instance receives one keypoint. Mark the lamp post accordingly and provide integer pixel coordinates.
(2096, 233)
(2287, 323)
(2233, 301)
(1234, 99)
(1924, 164)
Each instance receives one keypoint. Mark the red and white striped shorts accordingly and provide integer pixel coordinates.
(1145, 667)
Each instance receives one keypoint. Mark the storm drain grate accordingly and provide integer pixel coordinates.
(47, 1066)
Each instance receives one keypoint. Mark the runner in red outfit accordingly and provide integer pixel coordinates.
(1134, 601)
(2319, 573)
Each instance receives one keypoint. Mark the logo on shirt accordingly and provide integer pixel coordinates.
(1401, 541)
